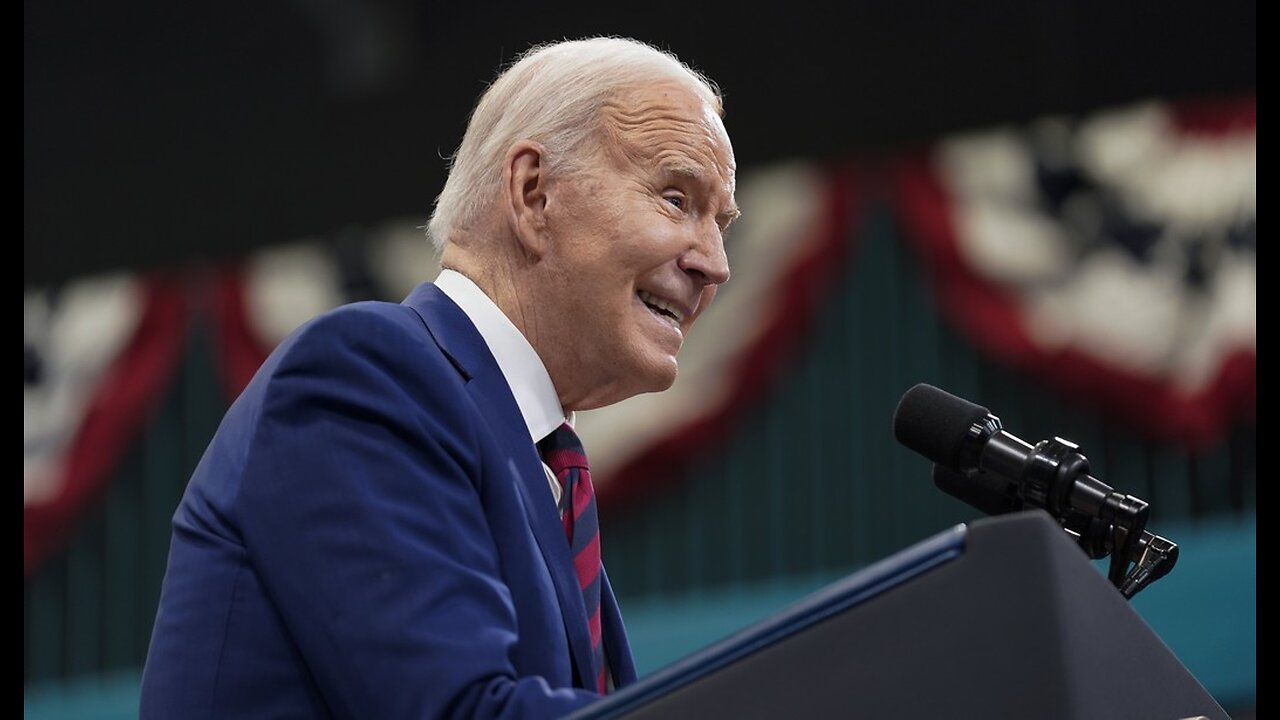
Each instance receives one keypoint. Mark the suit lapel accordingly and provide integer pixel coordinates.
(462, 343)
(616, 647)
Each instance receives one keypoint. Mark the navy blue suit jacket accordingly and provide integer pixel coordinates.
(370, 534)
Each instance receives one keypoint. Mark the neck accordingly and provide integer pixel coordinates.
(512, 282)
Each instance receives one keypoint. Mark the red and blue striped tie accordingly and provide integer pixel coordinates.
(563, 453)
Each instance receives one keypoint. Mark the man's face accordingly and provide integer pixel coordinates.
(637, 240)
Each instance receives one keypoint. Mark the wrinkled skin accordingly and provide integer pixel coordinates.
(646, 220)
(606, 267)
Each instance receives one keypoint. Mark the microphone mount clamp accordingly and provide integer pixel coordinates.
(1053, 475)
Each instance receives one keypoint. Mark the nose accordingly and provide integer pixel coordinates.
(705, 260)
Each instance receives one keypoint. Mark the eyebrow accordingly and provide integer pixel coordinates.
(725, 218)
(695, 174)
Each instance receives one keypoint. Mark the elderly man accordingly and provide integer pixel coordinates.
(395, 519)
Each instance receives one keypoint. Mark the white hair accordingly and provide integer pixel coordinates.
(552, 95)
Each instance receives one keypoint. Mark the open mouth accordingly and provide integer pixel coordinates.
(661, 308)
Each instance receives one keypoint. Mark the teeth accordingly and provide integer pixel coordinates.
(655, 301)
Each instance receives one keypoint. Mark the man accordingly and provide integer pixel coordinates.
(372, 533)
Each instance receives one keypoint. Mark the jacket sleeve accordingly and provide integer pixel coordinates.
(360, 509)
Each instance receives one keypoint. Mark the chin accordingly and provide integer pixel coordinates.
(661, 376)
(663, 384)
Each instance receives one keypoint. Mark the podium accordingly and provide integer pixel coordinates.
(1004, 618)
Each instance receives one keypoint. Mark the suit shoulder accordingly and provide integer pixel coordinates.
(378, 331)
(367, 321)
(366, 344)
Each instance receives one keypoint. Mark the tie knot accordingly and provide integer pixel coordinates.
(562, 449)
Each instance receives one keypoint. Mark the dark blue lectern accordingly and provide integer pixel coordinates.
(1005, 618)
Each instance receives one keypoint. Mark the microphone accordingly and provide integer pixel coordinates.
(991, 494)
(977, 461)
(1001, 471)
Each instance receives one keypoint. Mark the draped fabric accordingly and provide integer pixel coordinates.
(99, 354)
(1111, 254)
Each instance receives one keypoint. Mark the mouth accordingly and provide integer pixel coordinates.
(664, 309)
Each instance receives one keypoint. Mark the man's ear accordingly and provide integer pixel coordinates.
(525, 184)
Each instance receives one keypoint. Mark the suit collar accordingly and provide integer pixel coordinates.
(450, 328)
(458, 338)
(524, 371)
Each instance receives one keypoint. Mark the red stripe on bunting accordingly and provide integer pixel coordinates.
(128, 394)
(240, 352)
(1216, 117)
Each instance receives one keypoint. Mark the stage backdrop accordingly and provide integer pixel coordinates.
(1092, 277)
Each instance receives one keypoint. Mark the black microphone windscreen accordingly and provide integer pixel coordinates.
(934, 423)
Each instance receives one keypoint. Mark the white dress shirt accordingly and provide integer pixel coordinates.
(524, 371)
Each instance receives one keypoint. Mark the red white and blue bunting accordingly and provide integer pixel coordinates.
(1114, 254)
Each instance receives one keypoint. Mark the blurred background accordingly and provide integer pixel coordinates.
(1047, 208)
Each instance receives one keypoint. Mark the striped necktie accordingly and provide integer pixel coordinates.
(563, 453)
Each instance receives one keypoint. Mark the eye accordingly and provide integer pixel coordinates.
(675, 199)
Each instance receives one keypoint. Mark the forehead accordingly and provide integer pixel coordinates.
(668, 127)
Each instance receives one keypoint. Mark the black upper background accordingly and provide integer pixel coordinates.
(158, 132)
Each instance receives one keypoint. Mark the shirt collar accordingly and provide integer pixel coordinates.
(524, 371)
